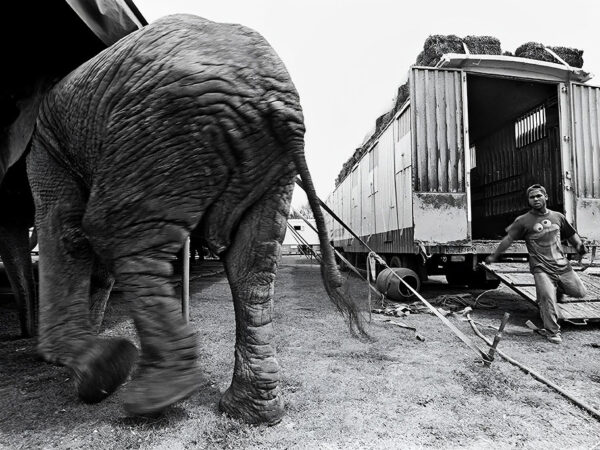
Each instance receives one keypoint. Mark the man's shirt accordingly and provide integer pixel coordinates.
(543, 234)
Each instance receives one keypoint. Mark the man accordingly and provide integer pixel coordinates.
(543, 230)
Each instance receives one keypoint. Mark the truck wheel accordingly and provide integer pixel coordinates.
(341, 264)
(456, 278)
(478, 280)
(395, 262)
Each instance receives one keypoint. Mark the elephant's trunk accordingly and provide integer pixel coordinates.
(332, 278)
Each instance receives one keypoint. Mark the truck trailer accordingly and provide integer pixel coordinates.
(438, 185)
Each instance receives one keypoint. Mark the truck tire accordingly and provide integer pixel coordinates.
(478, 280)
(457, 278)
(395, 262)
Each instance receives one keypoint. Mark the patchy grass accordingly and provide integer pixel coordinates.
(393, 391)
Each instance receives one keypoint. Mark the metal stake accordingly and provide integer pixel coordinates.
(185, 281)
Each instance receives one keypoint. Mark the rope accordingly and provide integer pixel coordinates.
(444, 320)
(593, 412)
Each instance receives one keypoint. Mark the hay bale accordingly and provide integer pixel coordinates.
(437, 45)
(381, 122)
(483, 45)
(420, 61)
(572, 56)
(535, 50)
(401, 97)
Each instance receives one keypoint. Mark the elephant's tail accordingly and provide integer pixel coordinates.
(332, 278)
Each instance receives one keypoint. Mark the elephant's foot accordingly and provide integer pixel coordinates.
(265, 408)
(49, 354)
(103, 367)
(157, 387)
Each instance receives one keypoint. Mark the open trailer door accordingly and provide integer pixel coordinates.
(441, 203)
(585, 143)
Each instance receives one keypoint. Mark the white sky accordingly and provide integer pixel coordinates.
(348, 57)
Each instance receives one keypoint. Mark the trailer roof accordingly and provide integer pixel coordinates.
(514, 66)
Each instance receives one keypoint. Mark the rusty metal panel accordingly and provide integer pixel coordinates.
(356, 201)
(386, 217)
(585, 107)
(329, 222)
(587, 215)
(586, 139)
(368, 219)
(336, 207)
(404, 197)
(440, 218)
(395, 241)
(403, 168)
(346, 206)
(438, 135)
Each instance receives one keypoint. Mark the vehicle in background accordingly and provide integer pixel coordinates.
(438, 185)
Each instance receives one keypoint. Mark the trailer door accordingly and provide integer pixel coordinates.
(585, 107)
(441, 206)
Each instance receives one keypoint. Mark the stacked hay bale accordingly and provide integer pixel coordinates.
(382, 121)
(535, 50)
(434, 48)
(483, 45)
(401, 97)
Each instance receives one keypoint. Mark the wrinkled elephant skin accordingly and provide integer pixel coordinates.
(184, 123)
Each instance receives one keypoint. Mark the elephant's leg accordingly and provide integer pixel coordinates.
(168, 369)
(65, 267)
(15, 254)
(251, 264)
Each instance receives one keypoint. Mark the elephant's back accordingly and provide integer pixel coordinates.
(181, 84)
(193, 46)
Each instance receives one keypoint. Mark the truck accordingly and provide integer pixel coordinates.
(440, 182)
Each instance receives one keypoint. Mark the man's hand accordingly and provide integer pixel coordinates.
(491, 259)
(581, 249)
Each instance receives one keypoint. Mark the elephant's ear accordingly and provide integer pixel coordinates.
(15, 138)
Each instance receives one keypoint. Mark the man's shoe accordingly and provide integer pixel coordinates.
(554, 338)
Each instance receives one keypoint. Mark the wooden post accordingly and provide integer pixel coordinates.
(185, 281)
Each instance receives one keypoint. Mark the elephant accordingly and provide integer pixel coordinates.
(15, 246)
(184, 124)
(45, 41)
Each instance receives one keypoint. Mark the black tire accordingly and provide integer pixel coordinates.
(341, 264)
(457, 278)
(395, 262)
(479, 281)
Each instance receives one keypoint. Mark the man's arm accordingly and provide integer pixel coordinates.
(502, 247)
(576, 242)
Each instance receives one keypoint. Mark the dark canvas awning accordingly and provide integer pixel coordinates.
(110, 20)
(45, 40)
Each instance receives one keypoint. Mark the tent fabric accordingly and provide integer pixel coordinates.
(42, 41)
(110, 20)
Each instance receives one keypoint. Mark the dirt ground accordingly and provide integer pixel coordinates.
(402, 389)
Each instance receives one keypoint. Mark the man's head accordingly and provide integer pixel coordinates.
(537, 197)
